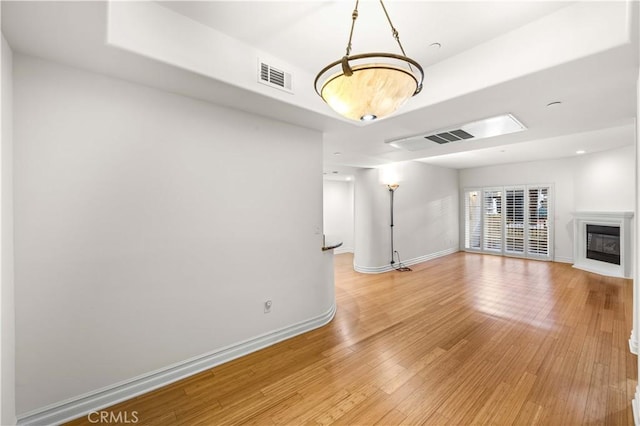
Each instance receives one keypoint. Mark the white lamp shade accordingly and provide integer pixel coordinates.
(390, 174)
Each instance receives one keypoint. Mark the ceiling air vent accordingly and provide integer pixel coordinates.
(274, 77)
(451, 136)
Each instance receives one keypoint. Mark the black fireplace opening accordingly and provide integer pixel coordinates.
(603, 243)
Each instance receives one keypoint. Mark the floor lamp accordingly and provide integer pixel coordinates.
(392, 189)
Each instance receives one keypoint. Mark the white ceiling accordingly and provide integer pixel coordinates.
(496, 57)
(311, 34)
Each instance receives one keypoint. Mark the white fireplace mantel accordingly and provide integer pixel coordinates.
(580, 260)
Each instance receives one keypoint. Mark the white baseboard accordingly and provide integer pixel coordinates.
(84, 404)
(635, 407)
(408, 262)
(561, 259)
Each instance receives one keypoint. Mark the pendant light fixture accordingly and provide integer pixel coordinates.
(370, 85)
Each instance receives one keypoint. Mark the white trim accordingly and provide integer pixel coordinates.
(562, 259)
(409, 262)
(634, 407)
(81, 405)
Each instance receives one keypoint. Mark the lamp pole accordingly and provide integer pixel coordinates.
(392, 190)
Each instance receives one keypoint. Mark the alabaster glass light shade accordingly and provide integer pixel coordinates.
(373, 91)
(369, 86)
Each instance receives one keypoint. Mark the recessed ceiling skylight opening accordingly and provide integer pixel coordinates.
(494, 126)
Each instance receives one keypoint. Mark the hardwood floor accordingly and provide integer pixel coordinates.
(463, 339)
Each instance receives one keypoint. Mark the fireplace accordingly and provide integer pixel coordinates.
(602, 243)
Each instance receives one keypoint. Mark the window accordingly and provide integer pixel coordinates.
(513, 221)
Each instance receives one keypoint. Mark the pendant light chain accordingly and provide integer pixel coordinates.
(354, 16)
(394, 32)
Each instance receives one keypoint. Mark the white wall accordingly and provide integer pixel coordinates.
(7, 311)
(602, 181)
(150, 228)
(425, 216)
(338, 213)
(605, 181)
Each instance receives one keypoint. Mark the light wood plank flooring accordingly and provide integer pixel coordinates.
(463, 339)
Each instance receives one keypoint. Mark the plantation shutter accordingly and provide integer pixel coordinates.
(492, 207)
(538, 221)
(514, 220)
(473, 220)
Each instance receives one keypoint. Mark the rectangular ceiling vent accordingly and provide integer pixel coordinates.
(274, 77)
(481, 129)
(451, 136)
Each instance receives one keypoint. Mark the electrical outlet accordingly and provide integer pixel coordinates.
(267, 306)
